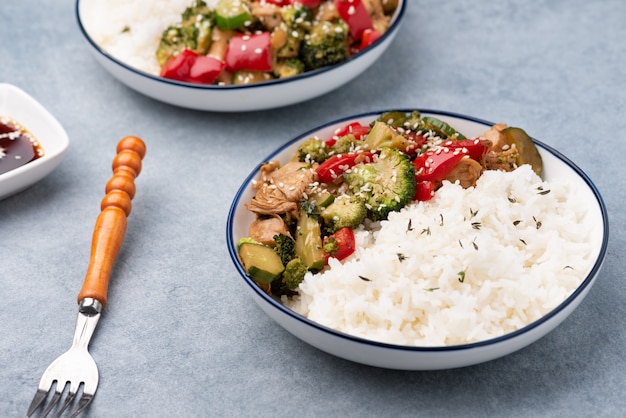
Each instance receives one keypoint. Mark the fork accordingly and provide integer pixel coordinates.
(76, 367)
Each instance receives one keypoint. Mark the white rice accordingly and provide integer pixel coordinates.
(106, 21)
(522, 250)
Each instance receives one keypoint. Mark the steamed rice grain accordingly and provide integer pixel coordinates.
(469, 265)
(130, 30)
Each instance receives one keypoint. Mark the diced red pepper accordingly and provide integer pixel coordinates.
(368, 37)
(424, 190)
(354, 13)
(476, 148)
(179, 66)
(435, 165)
(249, 52)
(355, 128)
(335, 166)
(190, 67)
(340, 245)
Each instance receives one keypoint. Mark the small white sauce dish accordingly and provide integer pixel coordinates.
(240, 98)
(360, 350)
(31, 115)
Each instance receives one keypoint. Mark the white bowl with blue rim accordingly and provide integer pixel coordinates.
(249, 97)
(555, 166)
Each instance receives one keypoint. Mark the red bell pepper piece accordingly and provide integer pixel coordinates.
(249, 52)
(355, 128)
(336, 165)
(179, 66)
(476, 148)
(435, 165)
(339, 245)
(354, 13)
(368, 37)
(424, 190)
(190, 67)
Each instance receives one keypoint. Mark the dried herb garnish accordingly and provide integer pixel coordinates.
(476, 225)
(401, 257)
(365, 279)
(461, 276)
(516, 222)
(409, 227)
(426, 231)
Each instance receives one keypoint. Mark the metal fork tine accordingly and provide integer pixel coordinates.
(83, 403)
(70, 397)
(39, 398)
(55, 399)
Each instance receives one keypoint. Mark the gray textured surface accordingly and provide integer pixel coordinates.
(181, 337)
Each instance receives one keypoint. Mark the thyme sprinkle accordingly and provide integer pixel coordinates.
(426, 231)
(365, 279)
(476, 225)
(409, 226)
(401, 257)
(461, 276)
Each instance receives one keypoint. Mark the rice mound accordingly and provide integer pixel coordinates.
(130, 30)
(469, 265)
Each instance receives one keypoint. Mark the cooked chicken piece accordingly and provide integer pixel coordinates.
(496, 136)
(376, 11)
(467, 171)
(501, 160)
(327, 12)
(263, 230)
(293, 179)
(271, 201)
(268, 14)
(219, 42)
(281, 189)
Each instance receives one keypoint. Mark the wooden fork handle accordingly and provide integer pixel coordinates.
(110, 227)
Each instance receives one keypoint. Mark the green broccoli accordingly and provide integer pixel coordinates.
(297, 17)
(288, 67)
(344, 211)
(346, 144)
(193, 32)
(326, 44)
(290, 278)
(312, 150)
(285, 247)
(387, 184)
(382, 135)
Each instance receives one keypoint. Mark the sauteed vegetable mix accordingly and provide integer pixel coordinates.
(306, 210)
(242, 41)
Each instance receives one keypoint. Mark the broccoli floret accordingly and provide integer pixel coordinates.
(193, 32)
(296, 22)
(285, 247)
(346, 144)
(297, 17)
(313, 150)
(387, 184)
(290, 278)
(383, 135)
(345, 211)
(326, 44)
(288, 67)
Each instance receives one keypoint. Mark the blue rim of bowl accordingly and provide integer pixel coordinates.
(283, 309)
(395, 24)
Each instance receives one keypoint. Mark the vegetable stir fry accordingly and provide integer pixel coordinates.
(244, 41)
(307, 210)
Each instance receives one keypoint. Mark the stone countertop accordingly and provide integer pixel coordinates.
(181, 336)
